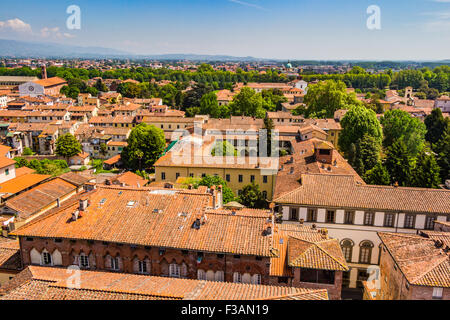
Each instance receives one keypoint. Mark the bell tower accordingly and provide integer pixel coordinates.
(43, 72)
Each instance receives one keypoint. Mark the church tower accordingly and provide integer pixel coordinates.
(44, 71)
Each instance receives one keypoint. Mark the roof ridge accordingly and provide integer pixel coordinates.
(327, 253)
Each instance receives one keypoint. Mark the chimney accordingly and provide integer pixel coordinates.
(84, 203)
(75, 215)
(396, 184)
(302, 221)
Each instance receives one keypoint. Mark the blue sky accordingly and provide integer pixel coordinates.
(284, 29)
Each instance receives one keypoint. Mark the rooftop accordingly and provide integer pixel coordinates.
(43, 283)
(346, 193)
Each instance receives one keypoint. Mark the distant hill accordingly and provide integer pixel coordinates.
(22, 49)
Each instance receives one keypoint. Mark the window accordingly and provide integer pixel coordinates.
(369, 218)
(347, 249)
(115, 263)
(7, 172)
(201, 274)
(174, 270)
(349, 217)
(237, 278)
(46, 258)
(264, 194)
(294, 214)
(163, 176)
(177, 175)
(317, 276)
(203, 175)
(429, 223)
(437, 293)
(312, 215)
(264, 179)
(365, 252)
(219, 276)
(330, 216)
(84, 261)
(241, 178)
(142, 266)
(252, 178)
(256, 279)
(227, 177)
(409, 221)
(389, 220)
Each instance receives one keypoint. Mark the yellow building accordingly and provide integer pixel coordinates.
(236, 174)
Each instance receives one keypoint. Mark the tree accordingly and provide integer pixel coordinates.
(227, 193)
(210, 106)
(27, 151)
(247, 103)
(367, 154)
(100, 86)
(378, 175)
(324, 98)
(426, 172)
(358, 122)
(436, 125)
(68, 146)
(252, 197)
(399, 163)
(223, 148)
(399, 124)
(103, 149)
(442, 150)
(145, 144)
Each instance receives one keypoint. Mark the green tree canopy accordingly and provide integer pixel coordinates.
(357, 123)
(426, 172)
(324, 98)
(442, 150)
(227, 193)
(248, 103)
(67, 146)
(436, 125)
(378, 175)
(399, 163)
(146, 143)
(252, 197)
(223, 148)
(399, 124)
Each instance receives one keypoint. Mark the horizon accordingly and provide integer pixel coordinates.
(415, 30)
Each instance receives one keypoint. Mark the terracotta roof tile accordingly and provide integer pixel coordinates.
(41, 283)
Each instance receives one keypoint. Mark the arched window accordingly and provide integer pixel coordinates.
(246, 278)
(347, 249)
(219, 276)
(141, 266)
(112, 263)
(365, 252)
(35, 256)
(256, 279)
(237, 277)
(210, 275)
(46, 258)
(57, 258)
(201, 275)
(84, 260)
(174, 270)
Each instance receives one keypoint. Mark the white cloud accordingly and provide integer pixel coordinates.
(54, 33)
(440, 20)
(15, 25)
